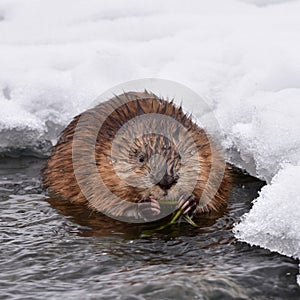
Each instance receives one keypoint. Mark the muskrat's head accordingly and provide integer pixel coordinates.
(162, 164)
(154, 158)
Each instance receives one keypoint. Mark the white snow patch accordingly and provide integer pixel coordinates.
(273, 222)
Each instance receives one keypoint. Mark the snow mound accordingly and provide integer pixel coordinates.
(264, 131)
(273, 222)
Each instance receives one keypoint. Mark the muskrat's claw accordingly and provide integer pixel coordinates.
(188, 205)
(148, 208)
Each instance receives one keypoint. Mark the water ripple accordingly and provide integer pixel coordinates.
(50, 250)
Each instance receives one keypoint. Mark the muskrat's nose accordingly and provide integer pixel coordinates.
(167, 181)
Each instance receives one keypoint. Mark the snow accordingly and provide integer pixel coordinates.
(275, 215)
(241, 56)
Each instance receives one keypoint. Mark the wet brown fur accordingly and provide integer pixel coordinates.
(59, 177)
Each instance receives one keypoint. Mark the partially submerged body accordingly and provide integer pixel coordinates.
(128, 155)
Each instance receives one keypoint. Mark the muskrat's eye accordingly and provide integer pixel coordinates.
(141, 158)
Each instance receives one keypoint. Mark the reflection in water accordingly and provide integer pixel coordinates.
(53, 249)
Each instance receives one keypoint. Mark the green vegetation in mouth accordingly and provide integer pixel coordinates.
(167, 202)
(175, 217)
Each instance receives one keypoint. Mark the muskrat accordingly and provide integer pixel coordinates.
(128, 155)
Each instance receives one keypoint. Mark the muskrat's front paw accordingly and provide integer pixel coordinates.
(188, 205)
(148, 208)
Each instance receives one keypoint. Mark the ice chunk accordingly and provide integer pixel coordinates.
(273, 222)
(264, 130)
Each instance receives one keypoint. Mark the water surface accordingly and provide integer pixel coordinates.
(50, 249)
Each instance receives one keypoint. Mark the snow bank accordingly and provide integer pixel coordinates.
(57, 56)
(273, 221)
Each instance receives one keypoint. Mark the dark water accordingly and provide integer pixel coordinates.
(54, 250)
